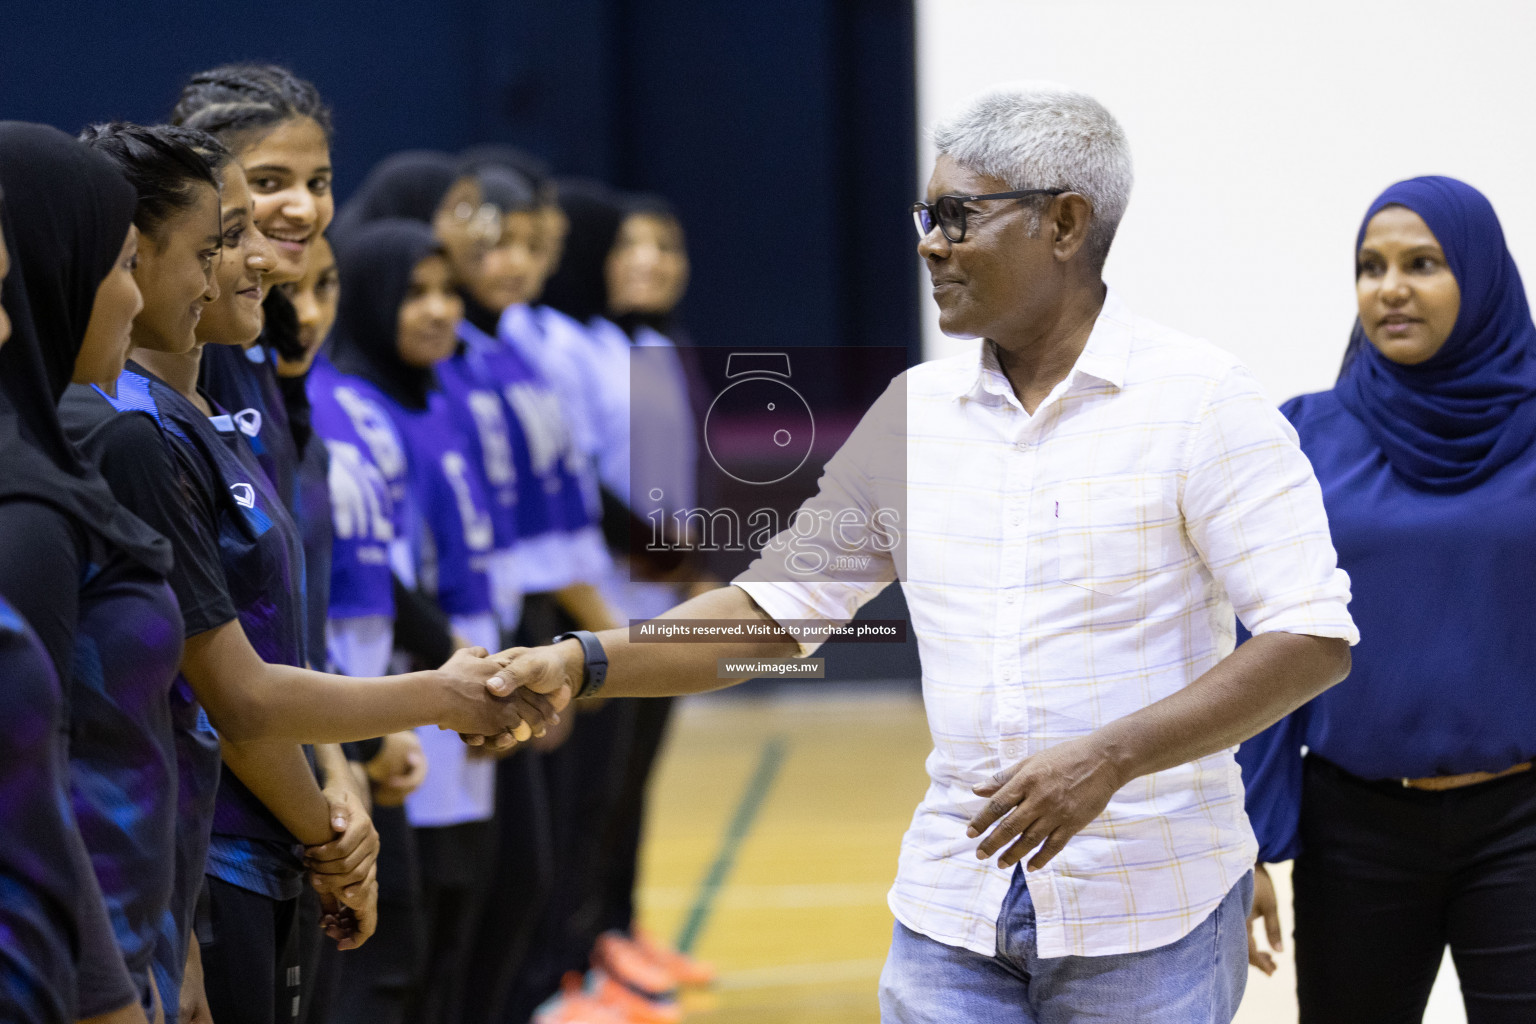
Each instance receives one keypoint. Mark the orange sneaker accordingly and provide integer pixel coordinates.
(573, 1006)
(622, 959)
(686, 969)
(630, 1004)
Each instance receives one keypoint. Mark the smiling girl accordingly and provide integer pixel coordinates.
(279, 131)
(184, 466)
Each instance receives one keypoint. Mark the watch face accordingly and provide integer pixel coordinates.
(759, 430)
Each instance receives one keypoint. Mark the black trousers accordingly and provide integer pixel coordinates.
(622, 855)
(584, 781)
(517, 892)
(1389, 876)
(251, 952)
(371, 985)
(455, 861)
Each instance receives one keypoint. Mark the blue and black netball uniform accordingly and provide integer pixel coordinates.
(273, 414)
(238, 556)
(312, 512)
(119, 664)
(244, 381)
(43, 862)
(87, 575)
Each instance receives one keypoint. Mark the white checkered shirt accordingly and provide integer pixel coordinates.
(1063, 570)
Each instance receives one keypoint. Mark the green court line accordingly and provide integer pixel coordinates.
(768, 764)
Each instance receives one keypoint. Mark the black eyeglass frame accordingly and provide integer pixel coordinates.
(931, 210)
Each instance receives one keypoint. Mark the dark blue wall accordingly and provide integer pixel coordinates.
(783, 131)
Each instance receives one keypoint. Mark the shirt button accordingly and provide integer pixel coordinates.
(1022, 446)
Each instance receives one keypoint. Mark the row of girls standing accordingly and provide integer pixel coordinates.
(153, 577)
(485, 421)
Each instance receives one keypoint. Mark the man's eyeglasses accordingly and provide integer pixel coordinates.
(949, 211)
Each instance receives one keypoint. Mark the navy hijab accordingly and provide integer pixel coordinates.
(65, 211)
(375, 263)
(1451, 422)
(662, 321)
(410, 184)
(579, 287)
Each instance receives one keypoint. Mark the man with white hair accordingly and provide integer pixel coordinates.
(1088, 497)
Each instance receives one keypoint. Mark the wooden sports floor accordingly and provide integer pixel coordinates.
(799, 927)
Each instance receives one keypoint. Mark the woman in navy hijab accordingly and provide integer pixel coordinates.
(1412, 817)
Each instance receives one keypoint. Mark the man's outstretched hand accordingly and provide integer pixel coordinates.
(540, 681)
(489, 706)
(1045, 798)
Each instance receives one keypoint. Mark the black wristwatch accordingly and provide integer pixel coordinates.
(594, 670)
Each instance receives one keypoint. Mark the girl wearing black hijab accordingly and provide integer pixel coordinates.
(646, 273)
(427, 186)
(399, 308)
(88, 574)
(432, 187)
(52, 910)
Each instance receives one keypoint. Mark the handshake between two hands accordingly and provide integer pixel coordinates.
(509, 697)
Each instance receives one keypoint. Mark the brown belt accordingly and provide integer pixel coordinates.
(1436, 783)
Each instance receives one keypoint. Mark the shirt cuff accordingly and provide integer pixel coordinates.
(1318, 618)
(783, 602)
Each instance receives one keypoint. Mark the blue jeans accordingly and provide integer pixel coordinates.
(1197, 980)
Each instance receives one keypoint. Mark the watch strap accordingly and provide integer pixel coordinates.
(594, 671)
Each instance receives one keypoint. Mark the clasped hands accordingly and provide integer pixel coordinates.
(509, 697)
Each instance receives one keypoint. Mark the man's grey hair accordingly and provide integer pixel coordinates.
(1045, 135)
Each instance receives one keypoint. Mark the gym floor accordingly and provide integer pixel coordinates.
(798, 925)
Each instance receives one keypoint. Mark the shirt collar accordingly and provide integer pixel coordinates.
(1104, 358)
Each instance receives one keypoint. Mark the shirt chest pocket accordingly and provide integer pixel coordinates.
(1110, 533)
